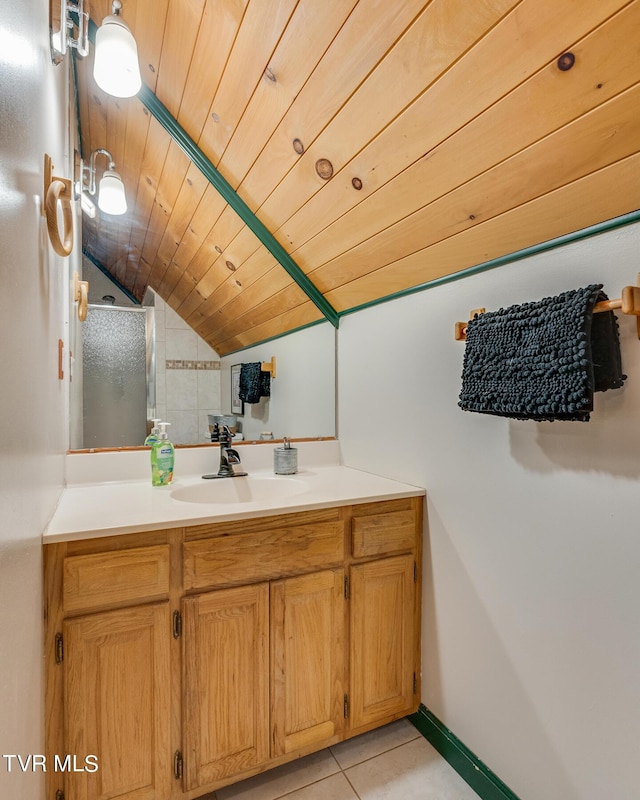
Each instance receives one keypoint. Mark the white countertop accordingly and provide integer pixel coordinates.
(115, 507)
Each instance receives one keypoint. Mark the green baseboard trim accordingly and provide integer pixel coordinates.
(480, 778)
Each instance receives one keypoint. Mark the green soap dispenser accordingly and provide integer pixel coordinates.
(162, 458)
(154, 436)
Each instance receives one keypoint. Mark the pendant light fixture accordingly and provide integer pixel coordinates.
(115, 64)
(116, 68)
(111, 196)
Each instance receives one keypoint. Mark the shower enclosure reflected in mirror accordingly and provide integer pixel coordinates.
(180, 379)
(118, 375)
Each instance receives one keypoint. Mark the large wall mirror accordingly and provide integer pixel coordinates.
(133, 363)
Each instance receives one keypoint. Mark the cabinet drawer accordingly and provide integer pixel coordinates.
(100, 579)
(380, 534)
(262, 555)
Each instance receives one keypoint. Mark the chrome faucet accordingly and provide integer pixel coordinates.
(228, 457)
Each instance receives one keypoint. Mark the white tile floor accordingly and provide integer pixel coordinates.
(391, 763)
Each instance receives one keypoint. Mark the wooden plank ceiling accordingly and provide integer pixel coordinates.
(452, 134)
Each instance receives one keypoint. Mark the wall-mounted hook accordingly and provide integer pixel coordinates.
(81, 296)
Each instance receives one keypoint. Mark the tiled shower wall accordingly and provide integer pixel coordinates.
(187, 377)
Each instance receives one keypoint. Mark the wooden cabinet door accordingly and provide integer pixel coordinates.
(307, 657)
(226, 683)
(117, 703)
(383, 645)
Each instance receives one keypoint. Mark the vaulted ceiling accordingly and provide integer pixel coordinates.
(382, 145)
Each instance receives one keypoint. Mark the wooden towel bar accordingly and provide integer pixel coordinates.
(269, 366)
(628, 303)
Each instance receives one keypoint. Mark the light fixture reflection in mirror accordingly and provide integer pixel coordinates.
(111, 195)
(87, 205)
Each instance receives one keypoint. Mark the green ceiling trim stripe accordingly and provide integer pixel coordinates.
(198, 158)
(551, 244)
(230, 196)
(277, 336)
(107, 274)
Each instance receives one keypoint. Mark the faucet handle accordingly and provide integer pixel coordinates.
(226, 434)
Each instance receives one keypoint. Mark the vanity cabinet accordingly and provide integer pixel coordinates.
(190, 658)
(108, 650)
(307, 661)
(383, 666)
(384, 614)
(118, 702)
(263, 673)
(226, 683)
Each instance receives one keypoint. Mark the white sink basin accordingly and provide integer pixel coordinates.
(248, 489)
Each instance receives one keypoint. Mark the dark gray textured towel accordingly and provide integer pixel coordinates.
(254, 383)
(542, 360)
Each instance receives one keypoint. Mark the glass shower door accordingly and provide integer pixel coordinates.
(114, 344)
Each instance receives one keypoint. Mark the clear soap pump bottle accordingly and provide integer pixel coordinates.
(155, 433)
(162, 458)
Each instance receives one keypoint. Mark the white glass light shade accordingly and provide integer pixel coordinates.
(115, 65)
(111, 196)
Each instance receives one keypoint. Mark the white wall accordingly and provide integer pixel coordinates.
(302, 401)
(531, 640)
(33, 433)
